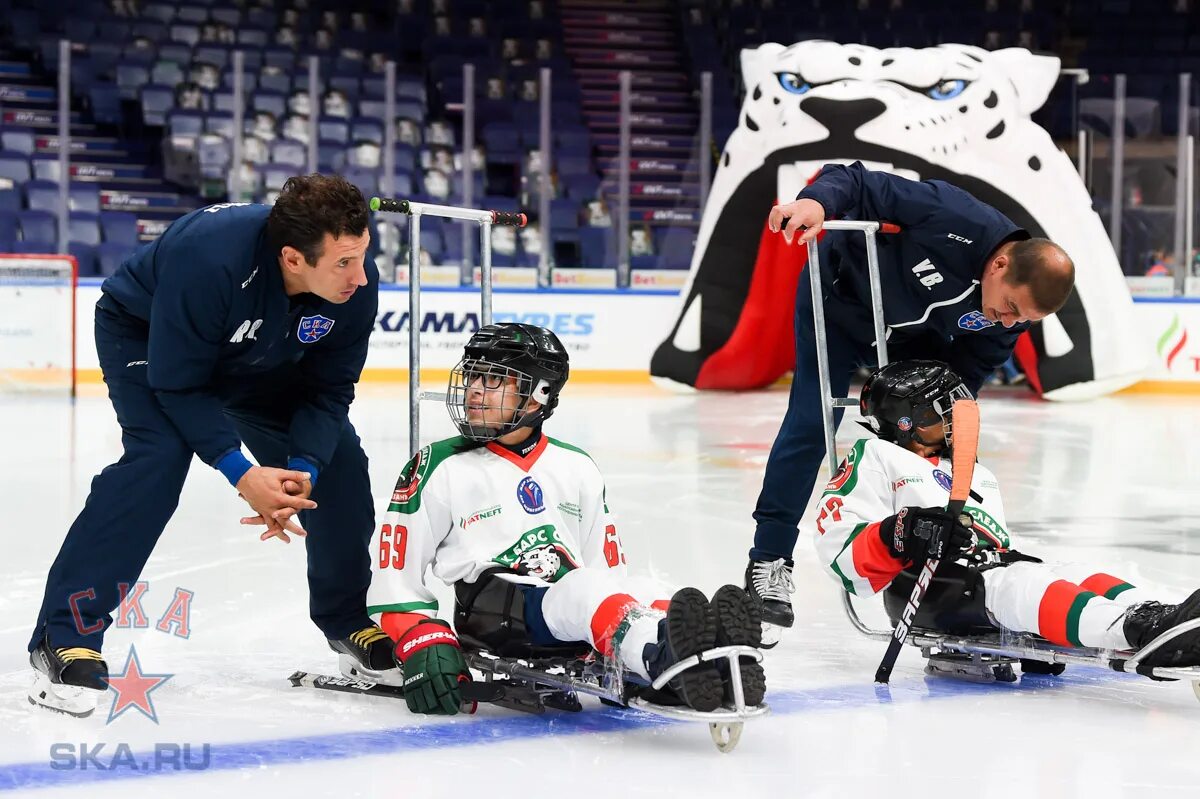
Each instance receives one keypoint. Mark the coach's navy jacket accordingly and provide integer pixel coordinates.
(930, 271)
(209, 295)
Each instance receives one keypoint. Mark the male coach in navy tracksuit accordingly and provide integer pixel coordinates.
(242, 324)
(960, 283)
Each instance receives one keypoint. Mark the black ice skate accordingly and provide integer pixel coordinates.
(690, 627)
(1146, 621)
(770, 582)
(739, 623)
(368, 654)
(69, 680)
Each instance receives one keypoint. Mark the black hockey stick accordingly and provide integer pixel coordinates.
(965, 418)
(471, 691)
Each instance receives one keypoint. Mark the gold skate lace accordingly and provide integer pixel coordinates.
(74, 653)
(367, 636)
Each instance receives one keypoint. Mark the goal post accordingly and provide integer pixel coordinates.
(37, 323)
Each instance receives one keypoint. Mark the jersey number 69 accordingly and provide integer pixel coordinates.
(392, 546)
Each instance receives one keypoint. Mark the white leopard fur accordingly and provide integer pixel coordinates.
(982, 128)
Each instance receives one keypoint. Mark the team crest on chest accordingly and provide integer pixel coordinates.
(974, 320)
(313, 328)
(530, 495)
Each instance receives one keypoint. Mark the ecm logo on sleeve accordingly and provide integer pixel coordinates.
(313, 328)
(974, 320)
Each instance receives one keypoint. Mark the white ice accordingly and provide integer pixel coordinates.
(1110, 482)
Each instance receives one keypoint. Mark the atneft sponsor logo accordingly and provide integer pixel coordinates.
(563, 324)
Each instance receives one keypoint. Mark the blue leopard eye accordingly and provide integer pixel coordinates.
(792, 82)
(947, 89)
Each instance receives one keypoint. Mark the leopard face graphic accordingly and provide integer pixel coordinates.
(955, 113)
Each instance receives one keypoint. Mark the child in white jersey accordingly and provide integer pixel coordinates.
(518, 523)
(887, 503)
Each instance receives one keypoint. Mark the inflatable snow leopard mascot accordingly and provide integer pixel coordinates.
(954, 112)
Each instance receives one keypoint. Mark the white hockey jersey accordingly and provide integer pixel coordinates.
(466, 508)
(877, 479)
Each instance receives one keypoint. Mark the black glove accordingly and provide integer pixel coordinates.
(433, 666)
(918, 533)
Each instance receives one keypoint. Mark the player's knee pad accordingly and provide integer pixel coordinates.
(953, 603)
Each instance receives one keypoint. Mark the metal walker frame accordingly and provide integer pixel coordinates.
(415, 210)
(989, 657)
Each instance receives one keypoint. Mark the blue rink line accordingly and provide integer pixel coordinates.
(466, 732)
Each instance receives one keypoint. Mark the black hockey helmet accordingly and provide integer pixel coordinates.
(904, 395)
(533, 356)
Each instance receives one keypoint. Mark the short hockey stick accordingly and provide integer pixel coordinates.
(965, 435)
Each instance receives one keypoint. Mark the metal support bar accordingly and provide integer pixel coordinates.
(706, 100)
(1189, 201)
(239, 105)
(414, 333)
(813, 270)
(485, 220)
(1182, 265)
(64, 144)
(547, 158)
(314, 111)
(1081, 155)
(1118, 163)
(626, 78)
(466, 273)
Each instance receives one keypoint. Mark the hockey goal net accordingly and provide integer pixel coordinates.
(37, 323)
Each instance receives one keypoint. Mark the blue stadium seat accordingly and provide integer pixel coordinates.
(289, 151)
(185, 123)
(365, 178)
(675, 247)
(407, 109)
(131, 78)
(110, 256)
(333, 129)
(280, 57)
(252, 37)
(85, 257)
(431, 242)
(163, 12)
(8, 225)
(45, 166)
(175, 51)
(185, 34)
(84, 197)
(220, 123)
(275, 175)
(273, 81)
(10, 202)
(215, 54)
(36, 247)
(84, 228)
(41, 195)
(38, 226)
(156, 102)
(119, 228)
(405, 157)
(106, 103)
(166, 73)
(17, 141)
(364, 129)
(598, 246)
(272, 102)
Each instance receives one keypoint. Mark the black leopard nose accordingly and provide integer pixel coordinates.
(842, 117)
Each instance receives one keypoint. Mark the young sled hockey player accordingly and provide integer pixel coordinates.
(517, 522)
(887, 502)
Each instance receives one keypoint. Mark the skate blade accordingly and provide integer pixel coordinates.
(350, 667)
(771, 635)
(67, 699)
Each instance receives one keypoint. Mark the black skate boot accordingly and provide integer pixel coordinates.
(770, 582)
(368, 655)
(1146, 621)
(690, 627)
(70, 680)
(739, 623)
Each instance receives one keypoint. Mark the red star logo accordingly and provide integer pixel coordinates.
(133, 687)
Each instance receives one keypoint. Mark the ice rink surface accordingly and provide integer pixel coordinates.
(1111, 482)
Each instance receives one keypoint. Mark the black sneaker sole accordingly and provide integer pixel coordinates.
(739, 623)
(692, 629)
(1184, 650)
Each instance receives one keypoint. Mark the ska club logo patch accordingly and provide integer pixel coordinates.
(313, 328)
(905, 424)
(942, 478)
(974, 320)
(529, 494)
